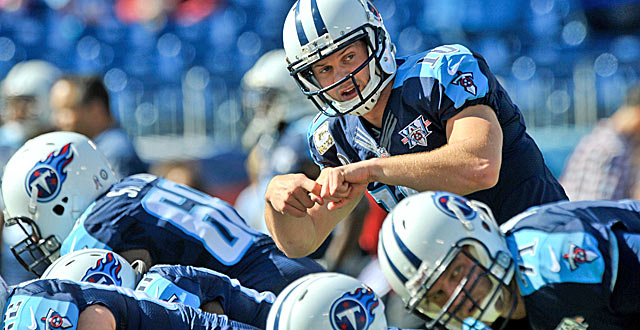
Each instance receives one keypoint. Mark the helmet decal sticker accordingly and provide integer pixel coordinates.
(106, 271)
(354, 311)
(49, 175)
(442, 200)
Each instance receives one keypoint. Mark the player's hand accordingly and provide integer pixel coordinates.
(340, 185)
(293, 194)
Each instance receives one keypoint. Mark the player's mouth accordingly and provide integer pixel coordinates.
(349, 93)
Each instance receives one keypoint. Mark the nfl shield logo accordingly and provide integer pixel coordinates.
(416, 133)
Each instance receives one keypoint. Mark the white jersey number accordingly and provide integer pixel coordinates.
(214, 222)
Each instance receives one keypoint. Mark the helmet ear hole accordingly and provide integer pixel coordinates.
(58, 209)
(65, 199)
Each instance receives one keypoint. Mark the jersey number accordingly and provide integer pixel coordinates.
(208, 219)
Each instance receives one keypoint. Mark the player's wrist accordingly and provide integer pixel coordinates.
(375, 169)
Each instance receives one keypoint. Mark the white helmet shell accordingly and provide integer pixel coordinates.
(425, 228)
(314, 29)
(324, 301)
(51, 180)
(95, 266)
(271, 97)
(34, 79)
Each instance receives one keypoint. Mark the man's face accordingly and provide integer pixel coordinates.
(68, 115)
(340, 64)
(467, 302)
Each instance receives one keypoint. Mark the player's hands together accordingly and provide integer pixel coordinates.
(293, 194)
(342, 184)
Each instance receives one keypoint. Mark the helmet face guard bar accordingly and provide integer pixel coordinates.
(448, 312)
(301, 71)
(33, 252)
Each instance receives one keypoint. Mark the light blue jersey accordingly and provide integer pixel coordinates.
(578, 264)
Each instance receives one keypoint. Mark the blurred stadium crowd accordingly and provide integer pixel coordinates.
(201, 90)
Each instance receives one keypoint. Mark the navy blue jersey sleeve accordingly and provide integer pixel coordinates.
(322, 142)
(57, 304)
(175, 283)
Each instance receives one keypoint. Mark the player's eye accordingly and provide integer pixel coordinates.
(437, 297)
(321, 69)
(456, 272)
(349, 57)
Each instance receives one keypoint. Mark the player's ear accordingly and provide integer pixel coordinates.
(140, 267)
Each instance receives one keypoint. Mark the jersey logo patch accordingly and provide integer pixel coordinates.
(54, 320)
(416, 133)
(576, 323)
(323, 139)
(49, 175)
(444, 201)
(465, 79)
(578, 256)
(106, 271)
(354, 310)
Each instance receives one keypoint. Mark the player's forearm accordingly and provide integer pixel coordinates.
(457, 168)
(299, 237)
(293, 236)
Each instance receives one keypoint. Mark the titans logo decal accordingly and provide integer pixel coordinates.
(48, 176)
(442, 201)
(54, 320)
(578, 256)
(354, 310)
(106, 271)
(465, 79)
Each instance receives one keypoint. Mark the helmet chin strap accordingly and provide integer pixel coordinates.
(33, 206)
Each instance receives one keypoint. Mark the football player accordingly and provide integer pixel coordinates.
(563, 265)
(193, 286)
(437, 120)
(63, 304)
(59, 179)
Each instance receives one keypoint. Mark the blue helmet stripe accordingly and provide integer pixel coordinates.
(321, 28)
(415, 261)
(301, 36)
(276, 326)
(393, 267)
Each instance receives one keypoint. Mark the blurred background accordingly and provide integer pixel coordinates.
(200, 89)
(174, 68)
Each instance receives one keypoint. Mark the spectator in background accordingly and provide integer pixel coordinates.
(186, 172)
(81, 104)
(606, 163)
(275, 137)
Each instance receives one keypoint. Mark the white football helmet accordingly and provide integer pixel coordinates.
(270, 97)
(324, 301)
(420, 238)
(95, 266)
(47, 184)
(31, 79)
(315, 29)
